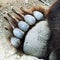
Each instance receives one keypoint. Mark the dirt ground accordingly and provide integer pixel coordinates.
(7, 52)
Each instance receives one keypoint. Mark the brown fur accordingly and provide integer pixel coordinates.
(54, 24)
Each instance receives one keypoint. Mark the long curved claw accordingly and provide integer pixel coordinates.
(26, 11)
(21, 16)
(9, 22)
(45, 2)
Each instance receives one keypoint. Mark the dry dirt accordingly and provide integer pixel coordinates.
(7, 52)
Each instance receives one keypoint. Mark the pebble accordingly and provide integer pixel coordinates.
(25, 57)
(15, 42)
(18, 33)
(38, 15)
(23, 26)
(36, 40)
(52, 56)
(30, 19)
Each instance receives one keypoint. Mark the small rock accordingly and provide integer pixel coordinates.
(15, 42)
(52, 56)
(18, 33)
(30, 19)
(36, 40)
(23, 26)
(25, 57)
(38, 15)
